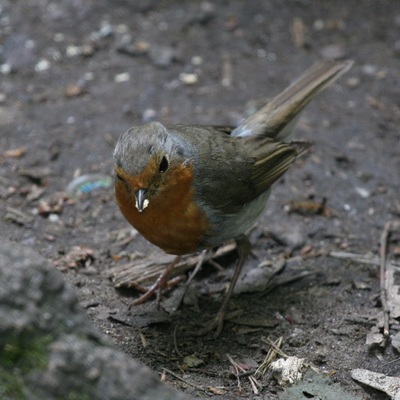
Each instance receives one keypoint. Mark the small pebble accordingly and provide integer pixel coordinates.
(188, 78)
(123, 77)
(30, 44)
(319, 24)
(347, 207)
(72, 51)
(149, 115)
(197, 60)
(53, 218)
(364, 193)
(333, 51)
(105, 30)
(369, 69)
(59, 37)
(42, 65)
(6, 68)
(353, 82)
(122, 29)
(88, 76)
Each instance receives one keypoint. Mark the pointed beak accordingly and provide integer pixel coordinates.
(141, 199)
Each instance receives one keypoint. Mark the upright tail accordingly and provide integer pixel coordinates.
(278, 118)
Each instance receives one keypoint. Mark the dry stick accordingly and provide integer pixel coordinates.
(357, 258)
(391, 362)
(272, 352)
(236, 368)
(178, 353)
(383, 276)
(253, 382)
(143, 340)
(185, 381)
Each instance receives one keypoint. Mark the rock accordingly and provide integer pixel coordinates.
(49, 349)
(334, 51)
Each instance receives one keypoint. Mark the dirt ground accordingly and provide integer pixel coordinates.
(75, 74)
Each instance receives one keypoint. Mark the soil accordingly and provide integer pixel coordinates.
(76, 74)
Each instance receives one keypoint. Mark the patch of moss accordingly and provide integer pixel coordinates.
(11, 385)
(77, 396)
(25, 351)
(21, 354)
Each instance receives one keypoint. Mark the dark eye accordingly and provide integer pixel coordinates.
(119, 177)
(163, 164)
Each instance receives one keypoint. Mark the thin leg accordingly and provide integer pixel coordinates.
(199, 264)
(244, 249)
(158, 285)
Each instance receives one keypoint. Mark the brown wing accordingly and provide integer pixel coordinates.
(272, 161)
(246, 169)
(232, 172)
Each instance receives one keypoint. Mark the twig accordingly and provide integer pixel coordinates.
(276, 346)
(227, 73)
(185, 381)
(391, 362)
(355, 257)
(145, 271)
(358, 258)
(236, 368)
(143, 340)
(272, 352)
(284, 281)
(383, 276)
(178, 353)
(239, 371)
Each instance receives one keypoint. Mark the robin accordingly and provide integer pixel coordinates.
(187, 188)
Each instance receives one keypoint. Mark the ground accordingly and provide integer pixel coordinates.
(76, 74)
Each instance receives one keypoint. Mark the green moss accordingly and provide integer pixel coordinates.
(78, 396)
(21, 354)
(11, 385)
(25, 351)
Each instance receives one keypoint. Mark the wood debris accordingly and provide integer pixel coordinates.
(310, 207)
(78, 256)
(15, 153)
(381, 333)
(146, 271)
(387, 384)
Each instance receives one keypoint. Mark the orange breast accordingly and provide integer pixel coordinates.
(172, 220)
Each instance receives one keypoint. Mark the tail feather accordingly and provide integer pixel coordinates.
(277, 118)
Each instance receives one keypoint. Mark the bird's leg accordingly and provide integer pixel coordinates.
(200, 262)
(244, 249)
(158, 285)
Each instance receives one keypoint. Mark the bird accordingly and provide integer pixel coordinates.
(192, 188)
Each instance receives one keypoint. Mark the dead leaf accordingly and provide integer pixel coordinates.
(215, 390)
(17, 216)
(78, 256)
(310, 207)
(192, 361)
